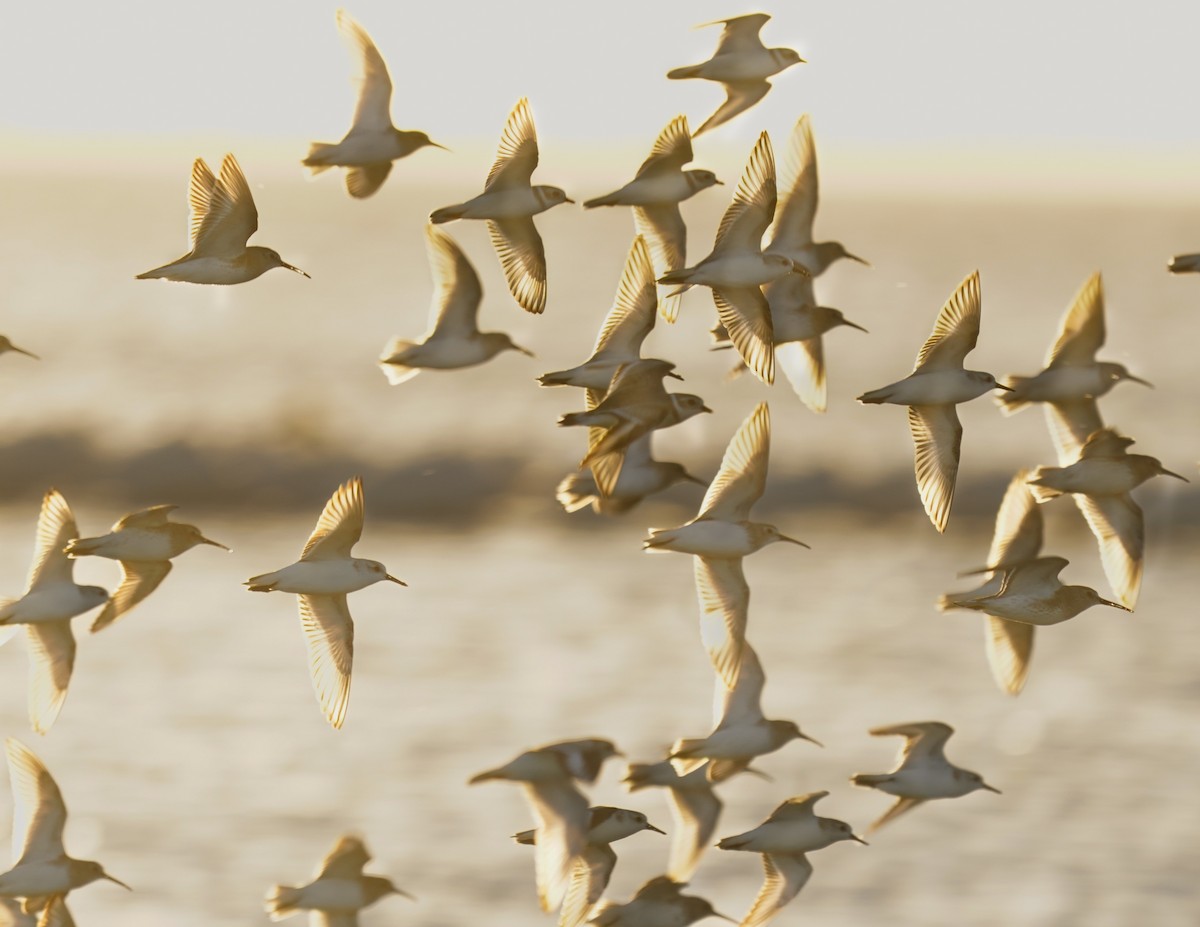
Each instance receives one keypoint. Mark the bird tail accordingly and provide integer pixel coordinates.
(732, 843)
(576, 491)
(281, 902)
(683, 755)
(870, 780)
(80, 547)
(317, 153)
(692, 70)
(679, 276)
(575, 418)
(556, 378)
(950, 600)
(446, 214)
(607, 200)
(525, 837)
(265, 582)
(876, 396)
(1039, 489)
(6, 612)
(659, 539)
(1013, 400)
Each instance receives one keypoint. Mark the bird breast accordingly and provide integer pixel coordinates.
(1096, 477)
(737, 270)
(756, 64)
(656, 191)
(937, 387)
(1061, 384)
(324, 577)
(713, 538)
(51, 603)
(511, 203)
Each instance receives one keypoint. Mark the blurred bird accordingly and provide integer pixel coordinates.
(694, 807)
(741, 732)
(595, 866)
(144, 543)
(922, 771)
(322, 577)
(792, 831)
(1184, 264)
(939, 382)
(720, 536)
(742, 64)
(737, 267)
(43, 873)
(1073, 378)
(1017, 539)
(454, 339)
(1100, 481)
(51, 600)
(6, 345)
(1032, 593)
(338, 891)
(372, 143)
(655, 193)
(658, 903)
(223, 217)
(509, 203)
(641, 476)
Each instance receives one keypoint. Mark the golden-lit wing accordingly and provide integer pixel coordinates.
(1018, 533)
(1105, 442)
(457, 291)
(153, 517)
(51, 660)
(229, 216)
(900, 807)
(743, 475)
(589, 878)
(1009, 650)
(793, 228)
(956, 330)
(672, 150)
(332, 919)
(695, 810)
(329, 633)
(631, 317)
(937, 437)
(56, 526)
(523, 257)
(784, 874)
(139, 578)
(517, 156)
(743, 703)
(753, 207)
(345, 860)
(364, 179)
(740, 34)
(1070, 423)
(1081, 333)
(1120, 531)
(922, 739)
(797, 808)
(663, 229)
(200, 194)
(803, 363)
(340, 525)
(724, 597)
(739, 96)
(39, 813)
(747, 319)
(562, 823)
(373, 110)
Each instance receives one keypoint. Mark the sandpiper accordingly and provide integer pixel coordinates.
(339, 890)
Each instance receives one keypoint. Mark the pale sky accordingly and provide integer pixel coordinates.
(1065, 80)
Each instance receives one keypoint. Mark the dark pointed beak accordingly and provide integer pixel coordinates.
(673, 375)
(859, 839)
(694, 479)
(991, 788)
(568, 200)
(13, 347)
(399, 582)
(724, 917)
(719, 183)
(296, 269)
(657, 830)
(855, 257)
(444, 148)
(705, 409)
(812, 740)
(1165, 472)
(850, 324)
(784, 537)
(118, 881)
(525, 351)
(1123, 608)
(1140, 380)
(400, 891)
(1007, 389)
(204, 540)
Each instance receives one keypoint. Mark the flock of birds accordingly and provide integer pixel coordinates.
(767, 311)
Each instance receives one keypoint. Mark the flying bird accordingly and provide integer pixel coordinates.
(338, 891)
(695, 808)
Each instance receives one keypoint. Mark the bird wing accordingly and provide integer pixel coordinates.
(372, 113)
(739, 96)
(740, 33)
(39, 813)
(1120, 531)
(1018, 533)
(784, 874)
(793, 228)
(802, 806)
(589, 879)
(1071, 422)
(753, 206)
(902, 805)
(457, 291)
(340, 525)
(663, 229)
(139, 578)
(1105, 442)
(803, 363)
(517, 155)
(1031, 577)
(747, 318)
(56, 914)
(562, 822)
(153, 517)
(956, 330)
(695, 810)
(605, 468)
(631, 317)
(1009, 649)
(329, 632)
(743, 475)
(672, 150)
(223, 212)
(922, 739)
(937, 438)
(364, 179)
(1082, 330)
(741, 704)
(523, 257)
(345, 860)
(724, 598)
(56, 526)
(51, 659)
